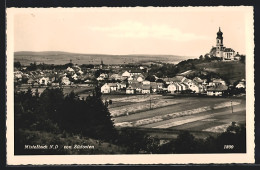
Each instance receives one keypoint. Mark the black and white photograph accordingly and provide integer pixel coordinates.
(137, 85)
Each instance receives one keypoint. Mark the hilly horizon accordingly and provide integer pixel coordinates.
(61, 57)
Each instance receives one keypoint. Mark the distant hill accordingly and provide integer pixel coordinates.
(59, 57)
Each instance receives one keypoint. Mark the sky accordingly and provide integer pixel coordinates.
(121, 31)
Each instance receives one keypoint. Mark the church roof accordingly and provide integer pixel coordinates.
(229, 50)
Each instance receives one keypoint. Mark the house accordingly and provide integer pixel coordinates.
(138, 87)
(241, 84)
(80, 72)
(44, 80)
(75, 76)
(140, 79)
(154, 87)
(176, 79)
(184, 87)
(146, 82)
(146, 89)
(31, 81)
(70, 69)
(198, 80)
(105, 88)
(179, 87)
(130, 90)
(100, 78)
(130, 78)
(218, 90)
(160, 86)
(195, 88)
(132, 81)
(115, 77)
(229, 54)
(218, 81)
(55, 84)
(172, 88)
(121, 85)
(188, 82)
(113, 86)
(237, 56)
(126, 74)
(135, 72)
(65, 80)
(103, 75)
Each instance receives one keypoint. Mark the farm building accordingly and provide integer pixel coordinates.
(217, 90)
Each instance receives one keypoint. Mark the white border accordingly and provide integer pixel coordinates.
(133, 159)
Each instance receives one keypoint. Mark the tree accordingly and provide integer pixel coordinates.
(150, 78)
(242, 58)
(17, 64)
(185, 143)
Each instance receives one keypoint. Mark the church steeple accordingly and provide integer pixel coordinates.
(219, 43)
(219, 34)
(101, 64)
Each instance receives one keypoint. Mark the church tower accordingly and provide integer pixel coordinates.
(101, 64)
(219, 45)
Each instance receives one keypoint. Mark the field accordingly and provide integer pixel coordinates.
(165, 116)
(199, 115)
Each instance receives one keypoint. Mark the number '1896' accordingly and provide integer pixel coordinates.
(229, 146)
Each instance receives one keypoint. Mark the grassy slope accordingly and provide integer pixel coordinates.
(232, 70)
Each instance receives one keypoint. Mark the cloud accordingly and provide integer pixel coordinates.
(132, 29)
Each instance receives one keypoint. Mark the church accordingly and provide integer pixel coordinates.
(221, 51)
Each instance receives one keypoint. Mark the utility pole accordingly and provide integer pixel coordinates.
(231, 106)
(150, 103)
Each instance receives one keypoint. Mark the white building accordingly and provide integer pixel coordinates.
(44, 80)
(105, 88)
(172, 88)
(65, 80)
(126, 74)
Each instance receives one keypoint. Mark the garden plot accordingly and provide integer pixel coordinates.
(136, 98)
(174, 115)
(130, 109)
